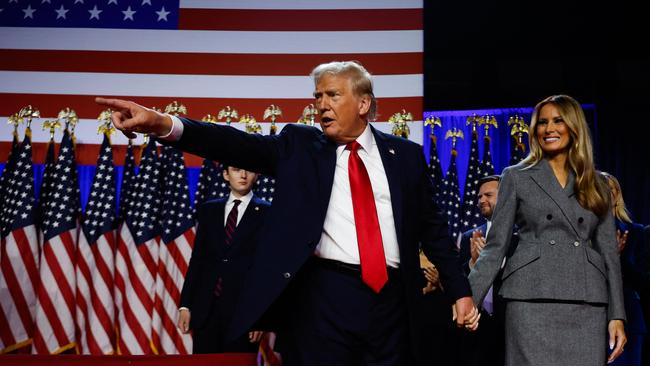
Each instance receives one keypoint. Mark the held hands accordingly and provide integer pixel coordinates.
(466, 314)
(130, 117)
(477, 243)
(617, 339)
(184, 321)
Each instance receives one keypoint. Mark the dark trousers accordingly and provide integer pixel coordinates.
(437, 333)
(210, 337)
(340, 321)
(486, 346)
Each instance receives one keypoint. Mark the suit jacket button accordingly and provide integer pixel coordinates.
(580, 220)
(549, 216)
(576, 243)
(552, 242)
(286, 275)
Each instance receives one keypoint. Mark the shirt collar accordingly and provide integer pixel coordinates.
(366, 140)
(244, 200)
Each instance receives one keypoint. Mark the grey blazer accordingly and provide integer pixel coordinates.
(565, 252)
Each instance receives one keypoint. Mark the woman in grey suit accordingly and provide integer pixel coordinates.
(562, 284)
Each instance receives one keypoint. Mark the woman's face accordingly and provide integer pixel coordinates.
(552, 131)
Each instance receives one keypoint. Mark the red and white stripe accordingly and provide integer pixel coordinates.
(172, 266)
(135, 280)
(19, 258)
(247, 55)
(95, 304)
(54, 320)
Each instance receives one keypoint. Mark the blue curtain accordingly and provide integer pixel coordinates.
(499, 148)
(501, 141)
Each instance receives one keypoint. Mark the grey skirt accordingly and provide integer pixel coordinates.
(555, 333)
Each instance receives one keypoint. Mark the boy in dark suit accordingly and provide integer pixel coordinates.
(223, 251)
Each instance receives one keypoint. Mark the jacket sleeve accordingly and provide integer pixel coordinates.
(633, 258)
(437, 244)
(465, 253)
(604, 241)
(194, 268)
(231, 146)
(498, 240)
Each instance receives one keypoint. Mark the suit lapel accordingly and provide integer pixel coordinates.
(245, 224)
(543, 175)
(218, 226)
(390, 159)
(325, 156)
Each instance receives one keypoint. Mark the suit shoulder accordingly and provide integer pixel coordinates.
(300, 129)
(399, 140)
(211, 205)
(261, 203)
(519, 169)
(468, 234)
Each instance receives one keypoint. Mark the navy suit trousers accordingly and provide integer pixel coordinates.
(341, 321)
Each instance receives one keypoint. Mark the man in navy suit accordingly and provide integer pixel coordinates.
(486, 345)
(223, 251)
(337, 268)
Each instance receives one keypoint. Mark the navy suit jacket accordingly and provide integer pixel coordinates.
(466, 248)
(303, 161)
(211, 259)
(635, 276)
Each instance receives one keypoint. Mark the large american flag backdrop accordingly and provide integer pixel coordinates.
(206, 55)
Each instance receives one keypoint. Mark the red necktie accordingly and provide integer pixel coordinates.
(371, 247)
(231, 223)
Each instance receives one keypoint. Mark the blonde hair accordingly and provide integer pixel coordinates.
(359, 76)
(620, 211)
(591, 193)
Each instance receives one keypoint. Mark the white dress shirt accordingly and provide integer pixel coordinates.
(245, 200)
(339, 238)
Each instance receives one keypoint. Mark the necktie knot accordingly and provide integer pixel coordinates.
(236, 202)
(352, 146)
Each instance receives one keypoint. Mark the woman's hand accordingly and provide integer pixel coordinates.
(617, 338)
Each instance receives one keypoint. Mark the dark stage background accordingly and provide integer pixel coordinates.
(502, 54)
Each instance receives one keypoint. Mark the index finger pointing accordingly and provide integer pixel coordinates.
(113, 103)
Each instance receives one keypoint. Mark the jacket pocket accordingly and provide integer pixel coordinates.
(522, 257)
(596, 260)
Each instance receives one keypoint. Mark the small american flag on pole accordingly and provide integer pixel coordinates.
(19, 253)
(174, 255)
(96, 261)
(136, 260)
(55, 309)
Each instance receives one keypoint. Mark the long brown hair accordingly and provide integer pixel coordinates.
(620, 211)
(592, 193)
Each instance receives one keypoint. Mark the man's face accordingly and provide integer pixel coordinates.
(342, 112)
(241, 181)
(487, 198)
